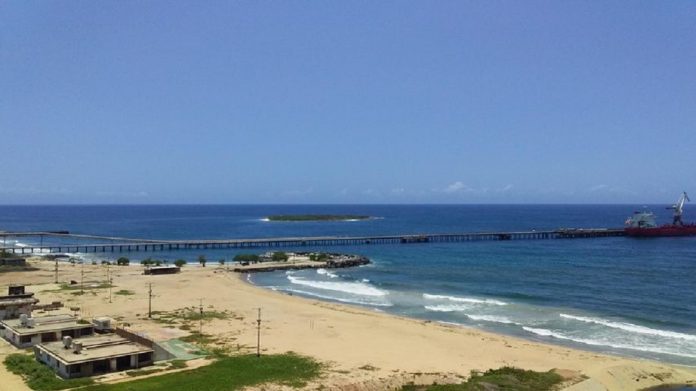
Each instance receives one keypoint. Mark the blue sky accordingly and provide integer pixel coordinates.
(347, 101)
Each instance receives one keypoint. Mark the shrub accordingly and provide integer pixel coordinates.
(279, 256)
(123, 261)
(38, 376)
(179, 262)
(147, 262)
(251, 258)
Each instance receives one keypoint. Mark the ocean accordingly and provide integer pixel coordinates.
(626, 296)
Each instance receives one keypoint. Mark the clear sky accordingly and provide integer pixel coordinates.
(347, 101)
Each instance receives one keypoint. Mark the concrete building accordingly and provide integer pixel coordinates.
(165, 269)
(13, 261)
(16, 302)
(26, 332)
(94, 355)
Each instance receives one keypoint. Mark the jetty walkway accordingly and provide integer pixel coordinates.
(106, 244)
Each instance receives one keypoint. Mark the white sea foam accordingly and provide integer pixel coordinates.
(593, 342)
(365, 280)
(341, 299)
(491, 318)
(326, 273)
(631, 327)
(463, 299)
(356, 288)
(265, 219)
(448, 307)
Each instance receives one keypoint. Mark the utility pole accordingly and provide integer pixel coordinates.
(82, 277)
(108, 280)
(149, 307)
(200, 321)
(56, 270)
(258, 335)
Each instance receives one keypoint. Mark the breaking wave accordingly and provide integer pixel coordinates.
(448, 307)
(492, 318)
(326, 273)
(356, 288)
(341, 299)
(463, 299)
(631, 327)
(594, 342)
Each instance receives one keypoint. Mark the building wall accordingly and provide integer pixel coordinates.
(88, 368)
(13, 311)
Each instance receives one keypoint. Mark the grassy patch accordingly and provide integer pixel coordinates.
(198, 338)
(505, 378)
(124, 292)
(228, 373)
(196, 315)
(38, 376)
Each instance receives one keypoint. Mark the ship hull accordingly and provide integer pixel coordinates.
(665, 230)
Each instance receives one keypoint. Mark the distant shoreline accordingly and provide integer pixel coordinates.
(317, 217)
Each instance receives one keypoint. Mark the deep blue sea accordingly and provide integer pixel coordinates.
(626, 296)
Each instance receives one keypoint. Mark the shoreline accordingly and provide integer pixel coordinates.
(624, 373)
(364, 349)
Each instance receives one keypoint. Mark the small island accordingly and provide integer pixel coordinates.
(317, 217)
(273, 261)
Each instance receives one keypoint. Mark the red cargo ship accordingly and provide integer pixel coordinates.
(642, 224)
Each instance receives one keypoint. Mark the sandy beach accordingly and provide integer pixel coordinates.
(364, 349)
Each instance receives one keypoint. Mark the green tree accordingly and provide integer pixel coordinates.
(123, 261)
(279, 256)
(147, 262)
(251, 258)
(179, 262)
(202, 260)
(222, 262)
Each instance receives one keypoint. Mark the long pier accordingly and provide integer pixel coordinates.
(121, 245)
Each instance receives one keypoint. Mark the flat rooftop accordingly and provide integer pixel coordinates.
(94, 348)
(17, 300)
(45, 324)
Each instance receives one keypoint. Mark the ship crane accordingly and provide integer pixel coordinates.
(678, 209)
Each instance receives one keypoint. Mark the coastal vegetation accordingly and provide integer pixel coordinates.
(202, 260)
(279, 256)
(505, 378)
(250, 258)
(40, 377)
(228, 373)
(179, 262)
(318, 257)
(225, 373)
(316, 217)
(123, 261)
(151, 262)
